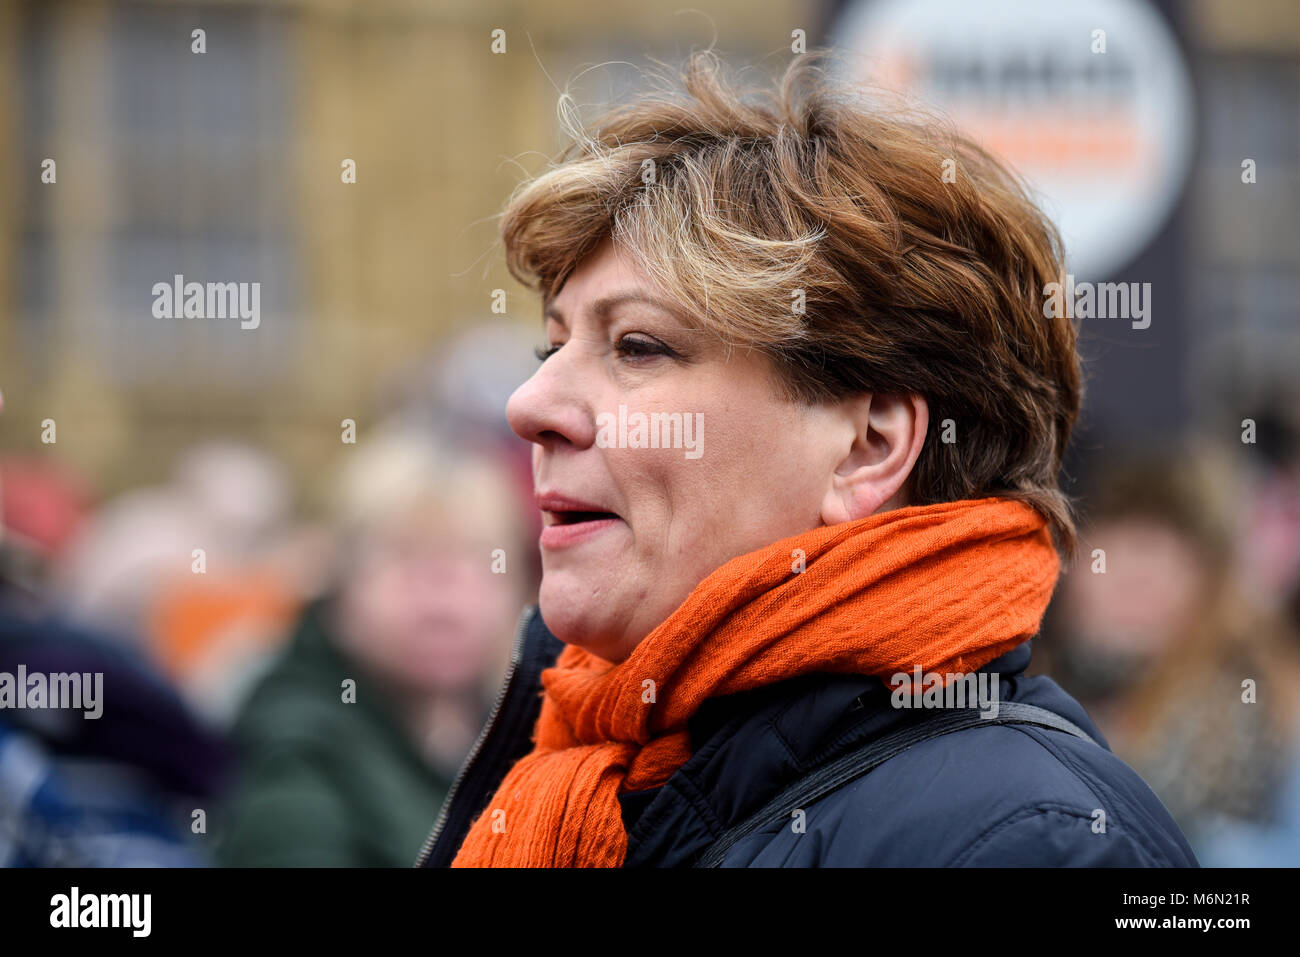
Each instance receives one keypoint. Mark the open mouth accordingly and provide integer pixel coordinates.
(577, 518)
(568, 520)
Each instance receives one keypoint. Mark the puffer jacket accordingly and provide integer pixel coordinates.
(992, 795)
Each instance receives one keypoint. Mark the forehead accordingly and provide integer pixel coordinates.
(604, 282)
(603, 270)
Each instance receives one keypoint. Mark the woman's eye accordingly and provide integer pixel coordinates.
(627, 346)
(641, 346)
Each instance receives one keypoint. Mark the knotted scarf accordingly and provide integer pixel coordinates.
(948, 587)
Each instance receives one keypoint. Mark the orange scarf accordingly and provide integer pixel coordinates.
(948, 587)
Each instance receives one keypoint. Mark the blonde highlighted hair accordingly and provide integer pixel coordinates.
(733, 200)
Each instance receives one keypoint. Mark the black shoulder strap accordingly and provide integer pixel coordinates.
(856, 763)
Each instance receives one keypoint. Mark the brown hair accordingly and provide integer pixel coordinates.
(733, 202)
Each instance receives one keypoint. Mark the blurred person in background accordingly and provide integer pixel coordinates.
(1158, 644)
(460, 392)
(350, 742)
(205, 571)
(128, 787)
(1268, 533)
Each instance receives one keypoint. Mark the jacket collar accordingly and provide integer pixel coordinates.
(748, 746)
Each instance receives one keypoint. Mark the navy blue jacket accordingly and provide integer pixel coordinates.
(1001, 795)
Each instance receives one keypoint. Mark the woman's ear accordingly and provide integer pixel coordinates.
(888, 432)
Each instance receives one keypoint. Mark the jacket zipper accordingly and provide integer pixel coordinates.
(516, 655)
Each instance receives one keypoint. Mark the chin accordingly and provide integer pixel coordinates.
(570, 618)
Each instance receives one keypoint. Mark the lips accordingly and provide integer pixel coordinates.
(567, 520)
(558, 509)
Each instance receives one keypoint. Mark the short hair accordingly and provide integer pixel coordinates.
(922, 261)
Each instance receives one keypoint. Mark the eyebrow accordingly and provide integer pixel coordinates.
(601, 308)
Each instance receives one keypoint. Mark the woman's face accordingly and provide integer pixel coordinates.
(1151, 595)
(421, 609)
(629, 531)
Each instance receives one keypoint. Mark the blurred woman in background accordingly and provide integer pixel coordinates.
(1193, 684)
(349, 742)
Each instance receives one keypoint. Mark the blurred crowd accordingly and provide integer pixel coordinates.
(1178, 628)
(283, 684)
(287, 685)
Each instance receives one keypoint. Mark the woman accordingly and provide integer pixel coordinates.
(1173, 614)
(358, 726)
(797, 432)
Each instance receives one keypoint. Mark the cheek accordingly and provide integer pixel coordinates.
(765, 470)
(747, 490)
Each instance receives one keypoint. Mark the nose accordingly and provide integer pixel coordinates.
(550, 408)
